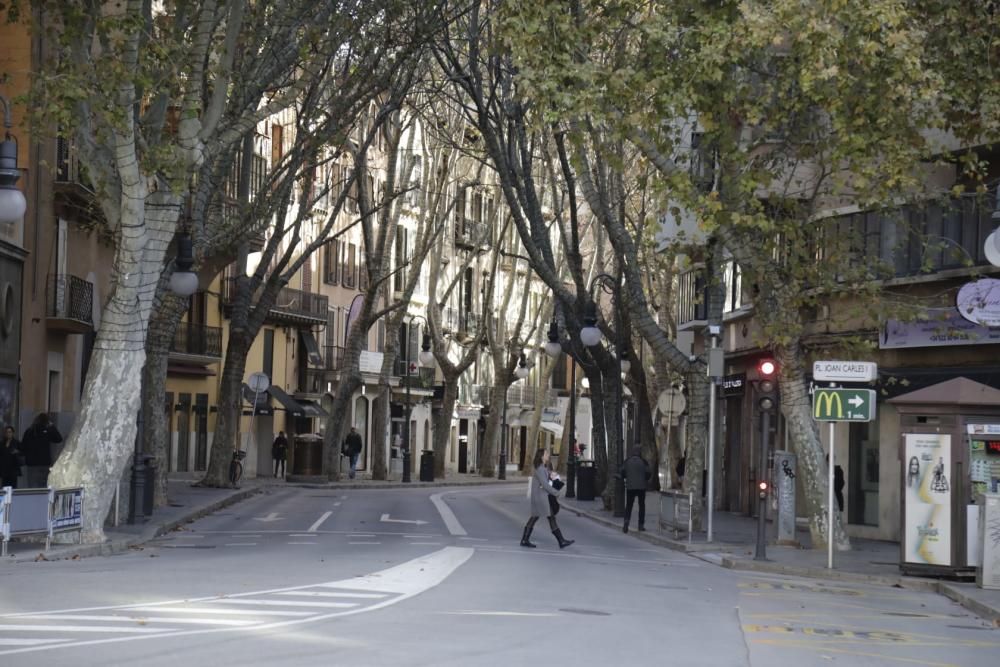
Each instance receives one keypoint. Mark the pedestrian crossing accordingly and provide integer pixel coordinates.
(241, 612)
(255, 610)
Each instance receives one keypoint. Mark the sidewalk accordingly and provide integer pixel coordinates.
(188, 503)
(733, 547)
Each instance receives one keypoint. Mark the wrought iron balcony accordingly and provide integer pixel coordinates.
(69, 304)
(197, 340)
(471, 234)
(292, 306)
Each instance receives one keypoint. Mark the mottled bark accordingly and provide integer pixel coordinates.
(491, 437)
(699, 389)
(230, 411)
(805, 441)
(442, 426)
(376, 444)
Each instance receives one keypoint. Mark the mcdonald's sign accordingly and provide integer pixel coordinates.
(844, 405)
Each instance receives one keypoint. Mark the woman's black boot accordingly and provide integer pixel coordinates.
(525, 538)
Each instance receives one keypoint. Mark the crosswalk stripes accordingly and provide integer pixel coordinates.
(240, 611)
(257, 610)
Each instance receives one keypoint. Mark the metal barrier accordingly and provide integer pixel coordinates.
(675, 512)
(36, 511)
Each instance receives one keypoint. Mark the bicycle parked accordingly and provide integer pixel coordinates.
(236, 466)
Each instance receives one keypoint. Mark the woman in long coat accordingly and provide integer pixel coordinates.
(541, 489)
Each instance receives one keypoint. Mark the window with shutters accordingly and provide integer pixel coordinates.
(350, 266)
(331, 262)
(399, 279)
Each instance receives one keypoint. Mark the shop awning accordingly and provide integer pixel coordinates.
(554, 428)
(262, 407)
(290, 404)
(312, 348)
(313, 409)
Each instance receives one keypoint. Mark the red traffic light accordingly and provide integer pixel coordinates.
(763, 486)
(767, 368)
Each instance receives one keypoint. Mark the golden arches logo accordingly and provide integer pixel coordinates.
(827, 399)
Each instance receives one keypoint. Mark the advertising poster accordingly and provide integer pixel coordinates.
(927, 480)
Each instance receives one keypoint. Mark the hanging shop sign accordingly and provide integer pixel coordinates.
(943, 327)
(979, 302)
(927, 480)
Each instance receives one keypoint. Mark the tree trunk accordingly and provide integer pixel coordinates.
(442, 425)
(156, 433)
(491, 437)
(380, 415)
(696, 441)
(644, 428)
(227, 421)
(804, 436)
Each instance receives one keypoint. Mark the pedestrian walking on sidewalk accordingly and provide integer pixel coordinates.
(10, 459)
(279, 452)
(36, 445)
(636, 473)
(353, 444)
(538, 499)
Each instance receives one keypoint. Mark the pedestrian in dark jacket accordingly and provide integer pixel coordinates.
(279, 452)
(10, 459)
(353, 444)
(636, 473)
(538, 495)
(37, 448)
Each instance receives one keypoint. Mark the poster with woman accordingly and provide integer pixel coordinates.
(927, 520)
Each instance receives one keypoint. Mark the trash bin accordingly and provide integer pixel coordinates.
(307, 456)
(427, 465)
(585, 480)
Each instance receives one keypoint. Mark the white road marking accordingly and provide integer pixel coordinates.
(313, 543)
(364, 543)
(450, 522)
(319, 522)
(326, 594)
(82, 628)
(385, 519)
(303, 535)
(141, 619)
(287, 603)
(426, 544)
(361, 535)
(216, 610)
(405, 580)
(241, 544)
(188, 536)
(30, 642)
(273, 516)
(474, 539)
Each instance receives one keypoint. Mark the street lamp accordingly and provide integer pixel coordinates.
(590, 335)
(424, 358)
(520, 373)
(183, 283)
(12, 202)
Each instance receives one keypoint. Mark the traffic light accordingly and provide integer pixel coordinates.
(762, 486)
(767, 385)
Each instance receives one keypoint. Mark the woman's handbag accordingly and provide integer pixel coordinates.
(558, 484)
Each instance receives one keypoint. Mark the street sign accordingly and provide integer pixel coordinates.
(843, 405)
(845, 371)
(258, 382)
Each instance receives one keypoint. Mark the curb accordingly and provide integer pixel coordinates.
(716, 555)
(149, 532)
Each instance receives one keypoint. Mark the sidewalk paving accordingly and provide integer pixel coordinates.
(733, 547)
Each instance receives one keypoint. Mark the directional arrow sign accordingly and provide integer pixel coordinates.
(416, 522)
(844, 405)
(273, 516)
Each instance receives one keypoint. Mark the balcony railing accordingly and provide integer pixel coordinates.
(333, 357)
(69, 303)
(291, 304)
(459, 321)
(471, 233)
(198, 340)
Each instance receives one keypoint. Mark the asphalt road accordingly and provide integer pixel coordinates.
(436, 577)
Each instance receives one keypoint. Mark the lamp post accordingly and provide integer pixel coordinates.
(183, 283)
(12, 202)
(520, 373)
(425, 358)
(554, 348)
(590, 336)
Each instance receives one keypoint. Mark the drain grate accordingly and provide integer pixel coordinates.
(669, 587)
(586, 612)
(904, 614)
(969, 627)
(188, 546)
